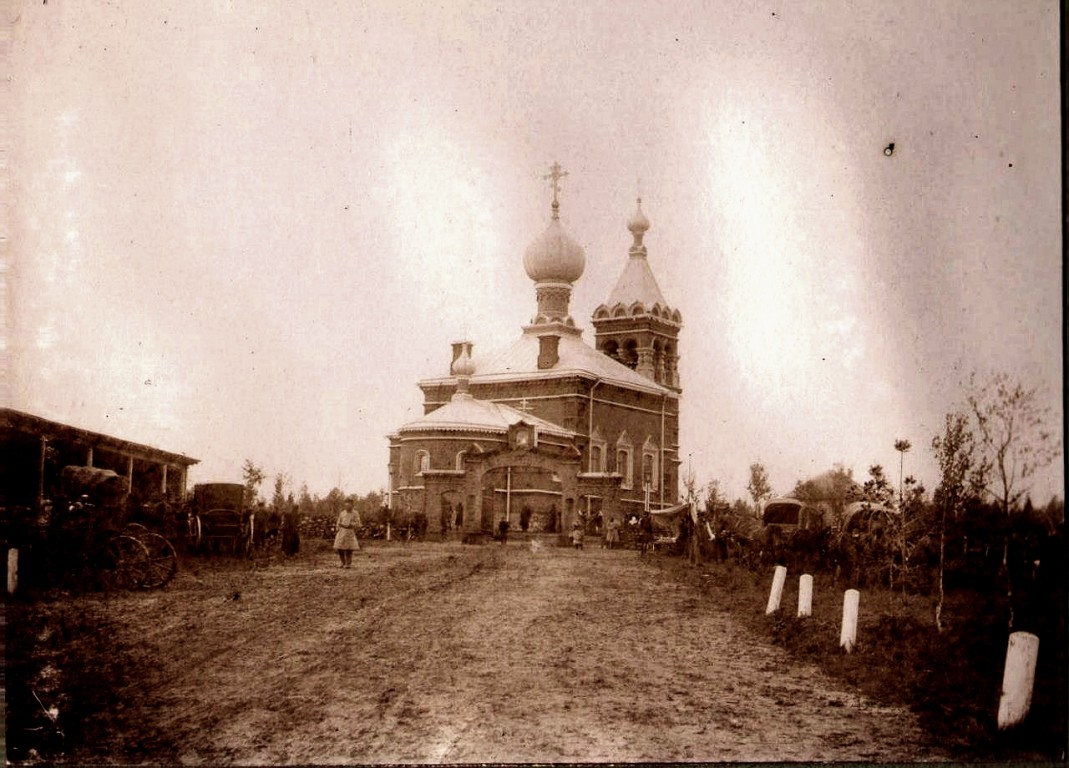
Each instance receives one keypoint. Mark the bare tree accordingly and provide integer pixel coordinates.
(1014, 435)
(1014, 439)
(902, 446)
(954, 450)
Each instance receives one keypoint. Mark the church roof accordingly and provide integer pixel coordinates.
(519, 362)
(637, 283)
(466, 414)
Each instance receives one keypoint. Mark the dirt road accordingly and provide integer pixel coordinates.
(445, 653)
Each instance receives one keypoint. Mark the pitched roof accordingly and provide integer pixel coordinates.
(519, 361)
(637, 283)
(466, 414)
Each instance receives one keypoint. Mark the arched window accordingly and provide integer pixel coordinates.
(422, 462)
(597, 452)
(460, 461)
(650, 473)
(624, 464)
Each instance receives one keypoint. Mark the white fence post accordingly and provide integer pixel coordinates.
(848, 635)
(805, 596)
(12, 570)
(778, 580)
(1017, 679)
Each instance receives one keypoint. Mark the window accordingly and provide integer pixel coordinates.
(649, 464)
(624, 466)
(422, 462)
(460, 461)
(598, 452)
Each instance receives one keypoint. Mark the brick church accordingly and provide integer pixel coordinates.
(551, 429)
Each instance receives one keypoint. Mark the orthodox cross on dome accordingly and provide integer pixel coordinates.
(556, 173)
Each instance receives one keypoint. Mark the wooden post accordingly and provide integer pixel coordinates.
(848, 635)
(805, 596)
(163, 480)
(129, 475)
(778, 580)
(41, 470)
(89, 456)
(1017, 679)
(12, 570)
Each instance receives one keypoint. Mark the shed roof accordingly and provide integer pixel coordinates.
(29, 424)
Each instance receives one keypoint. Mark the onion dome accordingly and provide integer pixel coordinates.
(554, 256)
(638, 223)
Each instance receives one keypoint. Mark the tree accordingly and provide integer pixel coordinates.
(831, 491)
(955, 452)
(278, 498)
(1013, 435)
(902, 446)
(253, 476)
(716, 503)
(759, 487)
(877, 489)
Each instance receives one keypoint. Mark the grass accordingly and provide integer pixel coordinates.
(950, 679)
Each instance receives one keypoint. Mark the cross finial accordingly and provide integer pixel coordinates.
(556, 173)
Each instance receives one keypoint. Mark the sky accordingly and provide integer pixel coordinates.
(245, 230)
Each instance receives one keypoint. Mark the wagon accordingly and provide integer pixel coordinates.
(220, 524)
(87, 529)
(791, 514)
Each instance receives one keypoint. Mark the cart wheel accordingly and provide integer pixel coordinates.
(134, 529)
(162, 561)
(124, 563)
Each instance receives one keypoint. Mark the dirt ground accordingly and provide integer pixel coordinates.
(444, 653)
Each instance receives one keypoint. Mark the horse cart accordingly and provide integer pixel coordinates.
(220, 524)
(84, 534)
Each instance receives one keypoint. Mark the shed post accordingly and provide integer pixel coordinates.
(41, 469)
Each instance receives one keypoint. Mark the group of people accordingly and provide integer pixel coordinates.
(643, 528)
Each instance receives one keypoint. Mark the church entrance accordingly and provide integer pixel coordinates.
(529, 498)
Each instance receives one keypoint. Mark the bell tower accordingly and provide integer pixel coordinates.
(636, 326)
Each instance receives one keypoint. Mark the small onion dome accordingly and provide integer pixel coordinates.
(638, 223)
(463, 365)
(554, 256)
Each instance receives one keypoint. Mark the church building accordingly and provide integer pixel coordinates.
(552, 429)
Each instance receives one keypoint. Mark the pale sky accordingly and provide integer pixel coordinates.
(247, 229)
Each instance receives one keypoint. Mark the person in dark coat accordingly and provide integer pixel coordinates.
(291, 534)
